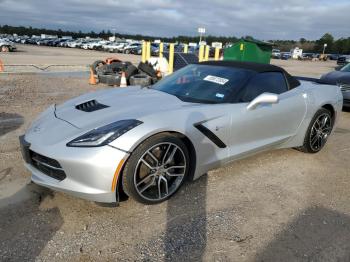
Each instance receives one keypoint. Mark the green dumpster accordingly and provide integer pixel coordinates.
(249, 50)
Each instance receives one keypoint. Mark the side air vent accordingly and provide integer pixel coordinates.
(90, 106)
(205, 131)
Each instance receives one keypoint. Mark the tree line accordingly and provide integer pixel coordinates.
(21, 30)
(339, 46)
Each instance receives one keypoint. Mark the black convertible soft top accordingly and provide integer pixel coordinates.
(257, 67)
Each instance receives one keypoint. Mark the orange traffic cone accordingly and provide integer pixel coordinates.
(1, 66)
(159, 74)
(123, 80)
(92, 80)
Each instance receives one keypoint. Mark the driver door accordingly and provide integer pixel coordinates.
(268, 124)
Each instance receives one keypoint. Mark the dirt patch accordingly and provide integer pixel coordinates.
(25, 229)
(9, 122)
(317, 234)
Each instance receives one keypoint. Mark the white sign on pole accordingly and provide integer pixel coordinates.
(216, 44)
(201, 30)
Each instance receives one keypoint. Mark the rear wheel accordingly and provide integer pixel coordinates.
(318, 132)
(156, 169)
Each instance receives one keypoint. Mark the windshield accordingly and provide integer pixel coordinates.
(204, 83)
(346, 68)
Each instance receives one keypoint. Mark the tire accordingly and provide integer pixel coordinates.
(116, 67)
(95, 66)
(130, 71)
(104, 70)
(148, 69)
(140, 80)
(149, 183)
(127, 67)
(109, 79)
(5, 48)
(315, 139)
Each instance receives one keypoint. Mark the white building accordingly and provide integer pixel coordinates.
(296, 53)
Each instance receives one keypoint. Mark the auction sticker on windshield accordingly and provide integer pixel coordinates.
(216, 79)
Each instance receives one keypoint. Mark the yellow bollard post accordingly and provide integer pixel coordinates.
(185, 48)
(217, 54)
(171, 59)
(161, 48)
(206, 57)
(201, 53)
(148, 56)
(144, 51)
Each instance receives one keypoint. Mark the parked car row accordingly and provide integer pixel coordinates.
(341, 59)
(277, 54)
(119, 46)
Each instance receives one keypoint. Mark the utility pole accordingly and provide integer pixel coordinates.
(201, 31)
(324, 48)
(113, 30)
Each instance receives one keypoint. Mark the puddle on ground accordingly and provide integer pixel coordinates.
(9, 122)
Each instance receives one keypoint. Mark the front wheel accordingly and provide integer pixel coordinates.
(318, 132)
(156, 169)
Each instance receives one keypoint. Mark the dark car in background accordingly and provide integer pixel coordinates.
(333, 56)
(342, 79)
(308, 56)
(286, 55)
(343, 60)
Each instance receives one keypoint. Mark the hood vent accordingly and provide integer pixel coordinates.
(90, 106)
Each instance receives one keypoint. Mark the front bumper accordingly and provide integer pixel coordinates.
(90, 173)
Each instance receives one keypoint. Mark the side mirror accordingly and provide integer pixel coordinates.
(264, 98)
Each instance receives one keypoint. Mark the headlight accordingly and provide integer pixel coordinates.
(104, 135)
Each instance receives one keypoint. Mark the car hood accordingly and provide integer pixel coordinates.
(336, 77)
(120, 103)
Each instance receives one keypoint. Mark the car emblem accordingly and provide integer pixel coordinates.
(36, 128)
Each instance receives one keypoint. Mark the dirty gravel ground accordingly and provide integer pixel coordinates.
(55, 58)
(276, 206)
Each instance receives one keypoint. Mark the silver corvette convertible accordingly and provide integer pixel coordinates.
(146, 142)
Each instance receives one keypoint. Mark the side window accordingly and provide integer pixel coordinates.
(271, 82)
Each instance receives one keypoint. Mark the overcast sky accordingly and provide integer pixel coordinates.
(263, 19)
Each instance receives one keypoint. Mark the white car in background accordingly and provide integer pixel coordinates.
(74, 43)
(131, 47)
(114, 46)
(7, 46)
(93, 44)
(276, 53)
